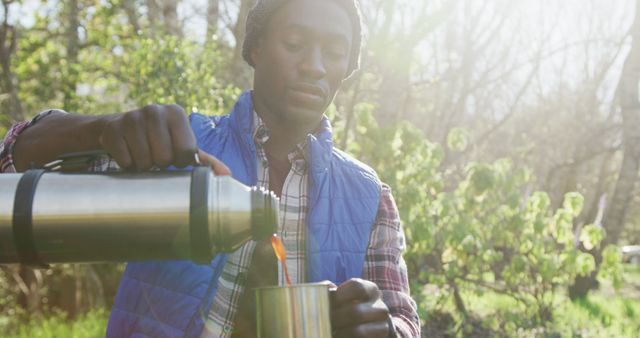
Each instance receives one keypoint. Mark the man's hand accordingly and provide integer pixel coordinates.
(156, 135)
(216, 165)
(358, 310)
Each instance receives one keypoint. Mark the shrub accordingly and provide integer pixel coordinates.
(478, 228)
(92, 324)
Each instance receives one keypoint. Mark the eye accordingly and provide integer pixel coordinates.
(336, 52)
(293, 45)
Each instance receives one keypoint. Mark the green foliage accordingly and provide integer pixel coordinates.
(591, 235)
(482, 232)
(474, 230)
(116, 68)
(600, 314)
(458, 139)
(611, 267)
(175, 71)
(92, 324)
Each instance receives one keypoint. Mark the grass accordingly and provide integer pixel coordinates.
(598, 315)
(92, 324)
(603, 313)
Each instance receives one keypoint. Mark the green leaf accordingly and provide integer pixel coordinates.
(469, 244)
(611, 256)
(518, 264)
(481, 178)
(563, 227)
(573, 202)
(585, 264)
(457, 139)
(591, 236)
(538, 202)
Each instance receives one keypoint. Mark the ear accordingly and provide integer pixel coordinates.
(255, 52)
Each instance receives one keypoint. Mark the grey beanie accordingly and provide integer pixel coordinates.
(259, 16)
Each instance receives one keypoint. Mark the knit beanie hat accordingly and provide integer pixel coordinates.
(259, 16)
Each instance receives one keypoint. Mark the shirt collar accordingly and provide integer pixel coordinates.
(261, 135)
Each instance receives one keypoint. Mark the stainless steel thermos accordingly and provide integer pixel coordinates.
(48, 217)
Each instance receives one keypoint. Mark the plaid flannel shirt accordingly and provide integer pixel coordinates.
(383, 265)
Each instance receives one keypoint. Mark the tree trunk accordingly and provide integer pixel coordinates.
(73, 49)
(458, 301)
(213, 12)
(153, 15)
(170, 16)
(132, 15)
(351, 110)
(239, 28)
(239, 75)
(628, 96)
(395, 86)
(594, 214)
(30, 283)
(393, 54)
(8, 44)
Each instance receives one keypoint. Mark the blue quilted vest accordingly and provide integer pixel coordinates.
(172, 298)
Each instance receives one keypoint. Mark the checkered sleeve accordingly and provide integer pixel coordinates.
(6, 147)
(103, 163)
(385, 266)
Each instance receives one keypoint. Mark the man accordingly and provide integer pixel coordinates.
(338, 221)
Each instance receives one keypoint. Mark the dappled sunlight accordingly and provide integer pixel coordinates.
(506, 130)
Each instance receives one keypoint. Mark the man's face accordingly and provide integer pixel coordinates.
(302, 59)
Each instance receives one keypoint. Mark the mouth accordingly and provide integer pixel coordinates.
(307, 93)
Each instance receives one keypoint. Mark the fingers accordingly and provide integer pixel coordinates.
(356, 290)
(152, 136)
(155, 136)
(373, 330)
(331, 286)
(114, 143)
(135, 136)
(216, 165)
(182, 138)
(354, 315)
(159, 140)
(358, 310)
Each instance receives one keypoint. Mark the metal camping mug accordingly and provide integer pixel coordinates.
(294, 311)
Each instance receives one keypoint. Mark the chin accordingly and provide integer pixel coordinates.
(304, 116)
(302, 110)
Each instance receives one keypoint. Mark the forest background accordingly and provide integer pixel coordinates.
(508, 130)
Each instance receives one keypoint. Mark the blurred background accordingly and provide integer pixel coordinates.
(509, 132)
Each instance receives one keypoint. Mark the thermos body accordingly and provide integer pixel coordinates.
(129, 216)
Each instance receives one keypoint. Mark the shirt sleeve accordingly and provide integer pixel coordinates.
(6, 147)
(385, 266)
(103, 163)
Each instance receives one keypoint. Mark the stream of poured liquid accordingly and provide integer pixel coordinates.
(278, 248)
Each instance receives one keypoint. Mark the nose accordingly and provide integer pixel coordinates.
(313, 63)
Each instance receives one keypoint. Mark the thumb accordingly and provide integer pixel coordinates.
(329, 284)
(216, 165)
